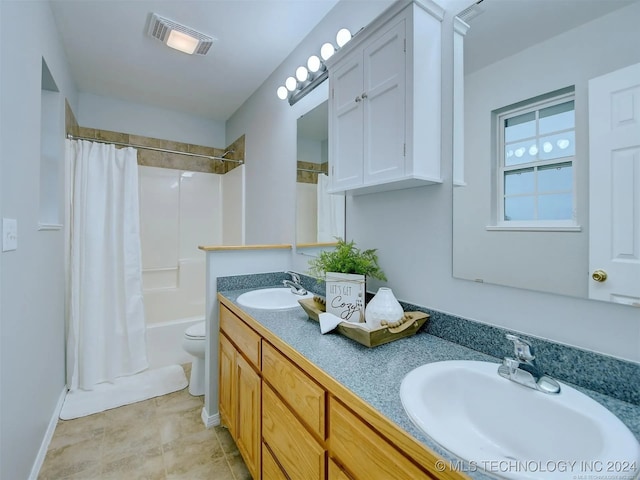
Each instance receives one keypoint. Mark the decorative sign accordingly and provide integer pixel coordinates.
(345, 296)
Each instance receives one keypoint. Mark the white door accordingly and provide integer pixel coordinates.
(614, 186)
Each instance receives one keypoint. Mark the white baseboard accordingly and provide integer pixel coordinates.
(48, 435)
(210, 420)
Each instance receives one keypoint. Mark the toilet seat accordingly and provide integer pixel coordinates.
(196, 332)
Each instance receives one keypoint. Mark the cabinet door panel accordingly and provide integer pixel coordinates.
(345, 125)
(385, 106)
(363, 452)
(227, 360)
(248, 414)
(295, 449)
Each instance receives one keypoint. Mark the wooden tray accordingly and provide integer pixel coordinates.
(369, 338)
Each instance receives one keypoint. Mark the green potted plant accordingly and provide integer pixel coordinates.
(344, 271)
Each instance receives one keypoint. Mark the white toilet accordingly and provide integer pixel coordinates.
(194, 343)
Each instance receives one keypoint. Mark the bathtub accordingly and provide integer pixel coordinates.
(164, 342)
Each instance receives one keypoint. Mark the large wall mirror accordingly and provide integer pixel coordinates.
(550, 195)
(320, 217)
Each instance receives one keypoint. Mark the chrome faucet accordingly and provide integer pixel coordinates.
(524, 370)
(294, 284)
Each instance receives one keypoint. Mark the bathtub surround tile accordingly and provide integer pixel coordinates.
(109, 136)
(160, 438)
(237, 153)
(159, 143)
(175, 161)
(599, 373)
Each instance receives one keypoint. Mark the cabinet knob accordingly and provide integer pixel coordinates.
(599, 276)
(364, 95)
(358, 99)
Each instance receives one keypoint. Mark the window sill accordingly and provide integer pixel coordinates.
(533, 228)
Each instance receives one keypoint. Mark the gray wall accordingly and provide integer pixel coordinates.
(270, 127)
(32, 296)
(412, 229)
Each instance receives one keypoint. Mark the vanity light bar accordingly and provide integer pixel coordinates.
(309, 77)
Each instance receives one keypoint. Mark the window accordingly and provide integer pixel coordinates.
(536, 153)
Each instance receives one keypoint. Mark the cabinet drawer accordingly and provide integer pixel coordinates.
(292, 445)
(270, 468)
(247, 341)
(336, 473)
(303, 395)
(363, 452)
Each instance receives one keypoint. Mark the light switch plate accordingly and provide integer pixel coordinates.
(9, 234)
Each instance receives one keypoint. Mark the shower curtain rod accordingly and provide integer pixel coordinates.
(165, 150)
(310, 170)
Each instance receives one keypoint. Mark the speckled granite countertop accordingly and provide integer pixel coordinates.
(375, 374)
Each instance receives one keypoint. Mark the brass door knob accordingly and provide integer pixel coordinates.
(599, 275)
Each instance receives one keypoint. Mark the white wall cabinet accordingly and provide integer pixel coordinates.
(384, 109)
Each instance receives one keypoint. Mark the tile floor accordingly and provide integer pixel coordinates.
(160, 438)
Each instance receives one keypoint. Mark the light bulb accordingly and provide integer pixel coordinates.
(291, 84)
(533, 150)
(547, 147)
(327, 50)
(302, 74)
(282, 92)
(519, 152)
(342, 37)
(563, 143)
(313, 64)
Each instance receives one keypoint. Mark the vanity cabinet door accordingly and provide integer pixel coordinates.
(248, 415)
(240, 387)
(227, 363)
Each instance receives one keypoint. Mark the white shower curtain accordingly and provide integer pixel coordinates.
(330, 212)
(106, 325)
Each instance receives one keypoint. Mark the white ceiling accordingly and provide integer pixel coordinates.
(111, 55)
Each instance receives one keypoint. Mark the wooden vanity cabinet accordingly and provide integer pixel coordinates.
(290, 420)
(241, 387)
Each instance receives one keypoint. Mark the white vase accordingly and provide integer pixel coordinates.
(383, 306)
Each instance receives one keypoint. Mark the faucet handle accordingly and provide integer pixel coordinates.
(522, 349)
(294, 276)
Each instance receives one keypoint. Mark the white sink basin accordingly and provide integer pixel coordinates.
(271, 299)
(513, 431)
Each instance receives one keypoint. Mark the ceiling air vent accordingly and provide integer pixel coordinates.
(470, 13)
(178, 36)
